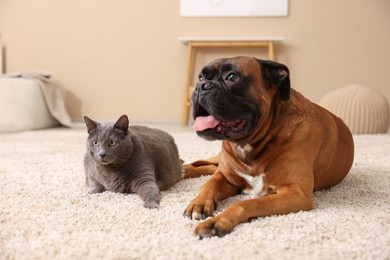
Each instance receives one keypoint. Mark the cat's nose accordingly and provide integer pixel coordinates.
(102, 155)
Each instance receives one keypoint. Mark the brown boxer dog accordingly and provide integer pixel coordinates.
(277, 145)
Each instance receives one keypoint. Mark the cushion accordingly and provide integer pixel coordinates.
(23, 106)
(364, 110)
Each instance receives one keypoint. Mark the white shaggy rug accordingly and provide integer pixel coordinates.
(47, 213)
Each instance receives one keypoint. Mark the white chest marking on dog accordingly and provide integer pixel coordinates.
(244, 149)
(257, 184)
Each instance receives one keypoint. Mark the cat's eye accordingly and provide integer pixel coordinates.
(111, 143)
(95, 143)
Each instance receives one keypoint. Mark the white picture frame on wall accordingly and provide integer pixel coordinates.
(233, 8)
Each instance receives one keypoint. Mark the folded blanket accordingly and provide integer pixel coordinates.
(53, 95)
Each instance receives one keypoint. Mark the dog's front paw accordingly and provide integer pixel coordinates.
(199, 208)
(216, 226)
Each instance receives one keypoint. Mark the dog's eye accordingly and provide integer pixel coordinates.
(232, 77)
(201, 77)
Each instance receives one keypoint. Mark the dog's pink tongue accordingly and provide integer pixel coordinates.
(205, 122)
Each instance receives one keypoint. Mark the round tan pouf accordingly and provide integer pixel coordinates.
(364, 110)
(22, 106)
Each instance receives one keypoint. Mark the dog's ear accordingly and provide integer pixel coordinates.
(277, 74)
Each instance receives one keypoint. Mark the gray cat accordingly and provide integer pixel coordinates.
(134, 159)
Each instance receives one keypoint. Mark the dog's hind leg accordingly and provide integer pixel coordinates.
(201, 167)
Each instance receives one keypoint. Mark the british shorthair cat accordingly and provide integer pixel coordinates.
(130, 159)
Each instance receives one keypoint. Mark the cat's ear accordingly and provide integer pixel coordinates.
(91, 125)
(122, 124)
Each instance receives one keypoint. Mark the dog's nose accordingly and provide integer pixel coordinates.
(206, 86)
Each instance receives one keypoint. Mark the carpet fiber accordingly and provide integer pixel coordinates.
(47, 213)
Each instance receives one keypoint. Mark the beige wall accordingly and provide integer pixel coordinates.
(123, 56)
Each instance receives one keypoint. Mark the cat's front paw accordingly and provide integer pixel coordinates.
(152, 204)
(96, 189)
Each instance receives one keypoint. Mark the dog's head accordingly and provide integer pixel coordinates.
(233, 94)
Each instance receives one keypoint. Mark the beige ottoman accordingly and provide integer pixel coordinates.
(364, 110)
(22, 106)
